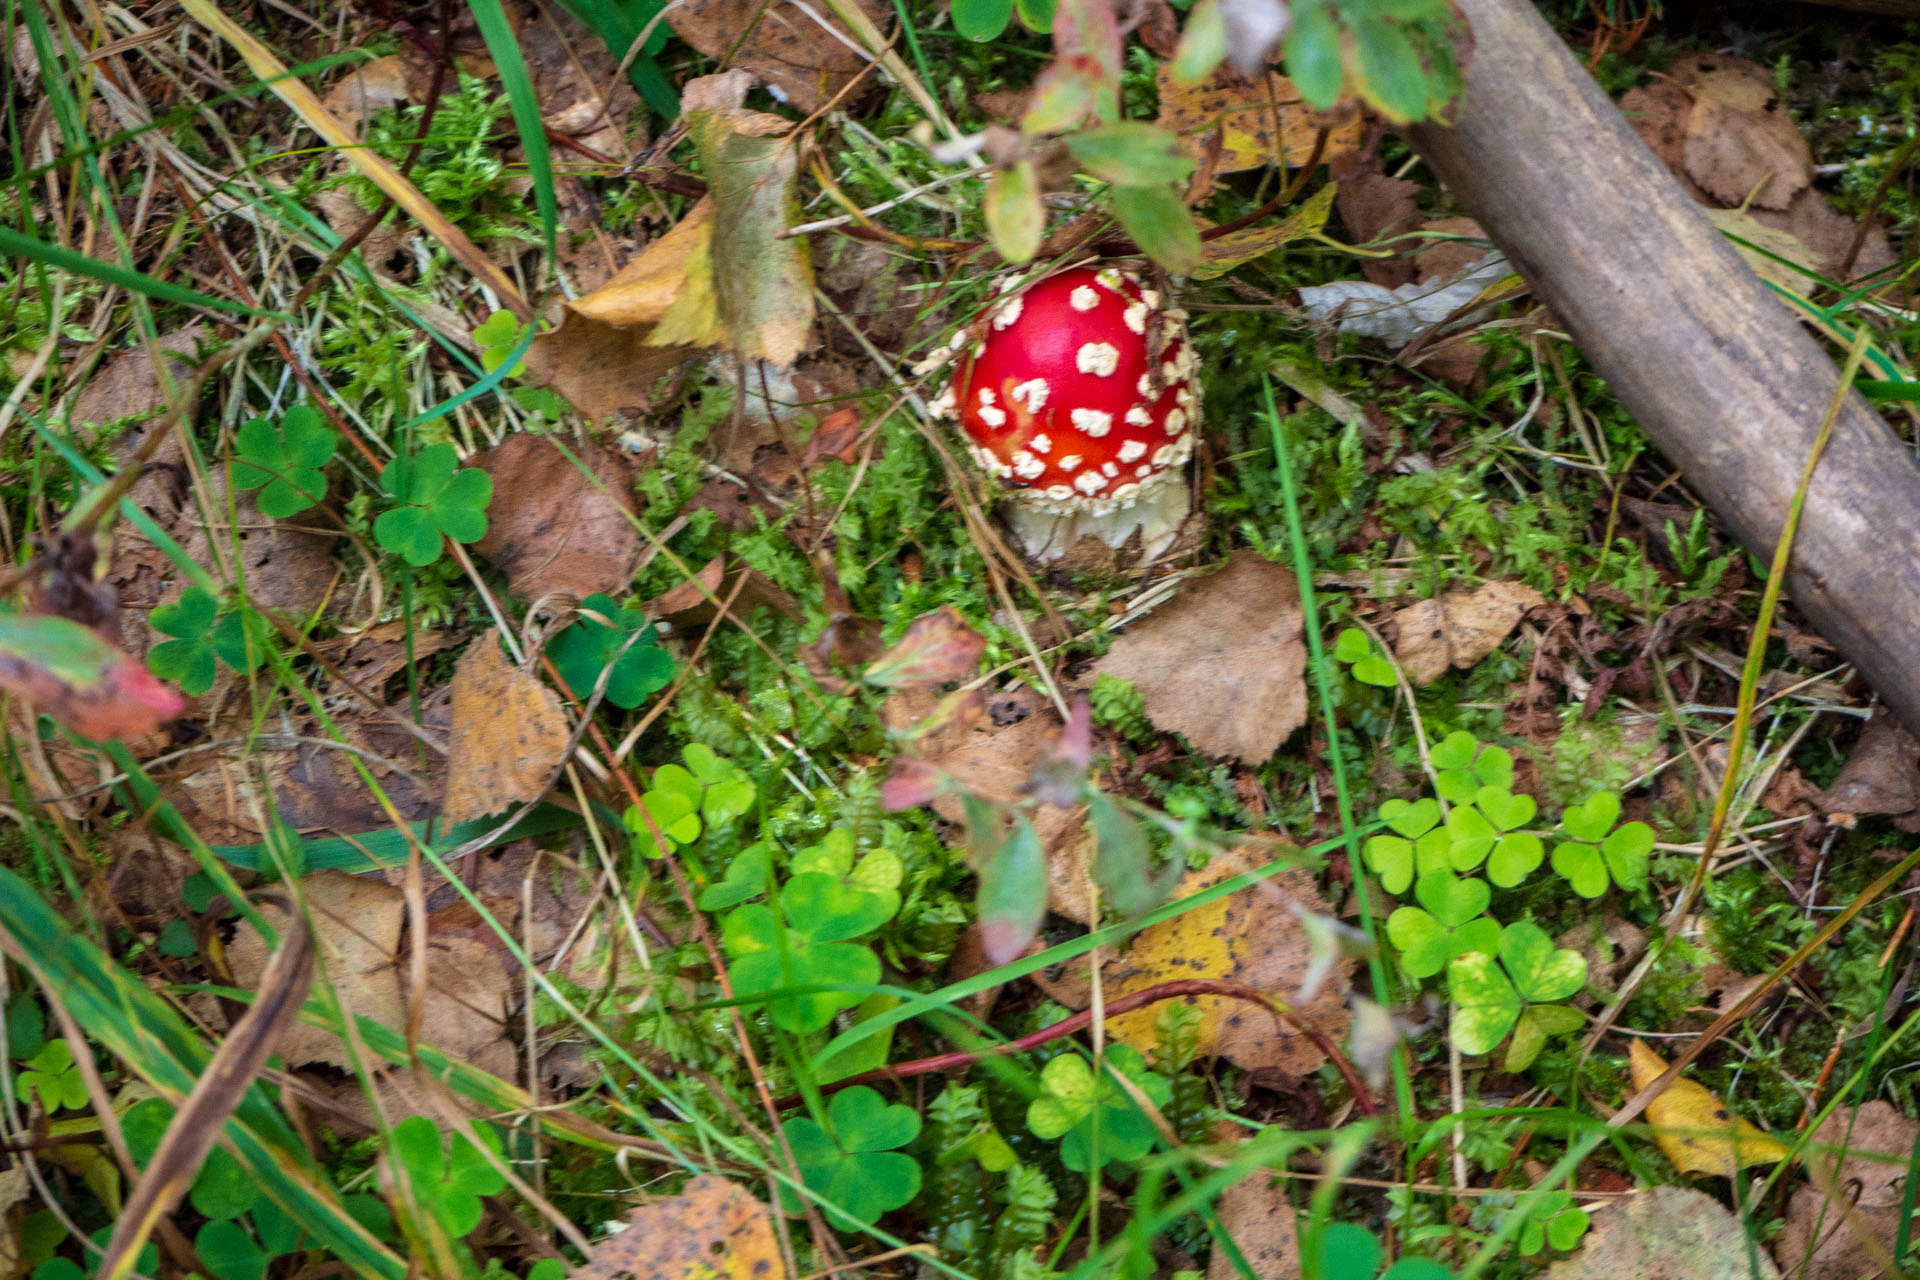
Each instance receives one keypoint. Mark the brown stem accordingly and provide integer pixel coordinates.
(963, 1058)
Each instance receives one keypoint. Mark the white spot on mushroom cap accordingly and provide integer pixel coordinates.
(1033, 392)
(1176, 421)
(1083, 298)
(1133, 449)
(993, 417)
(1097, 358)
(986, 395)
(1110, 469)
(1060, 492)
(1163, 455)
(1090, 482)
(1144, 386)
(1041, 443)
(1009, 311)
(1136, 317)
(1095, 422)
(1151, 297)
(1028, 467)
(941, 405)
(1069, 462)
(1123, 496)
(1111, 278)
(1144, 469)
(1139, 417)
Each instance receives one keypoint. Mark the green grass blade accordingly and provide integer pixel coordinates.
(18, 245)
(518, 83)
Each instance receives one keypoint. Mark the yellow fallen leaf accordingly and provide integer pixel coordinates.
(1252, 938)
(1695, 1129)
(646, 289)
(1256, 119)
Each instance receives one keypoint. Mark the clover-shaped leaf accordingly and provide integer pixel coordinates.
(1355, 648)
(229, 1252)
(589, 646)
(1489, 999)
(451, 1182)
(497, 336)
(55, 1077)
(1451, 925)
(878, 874)
(1556, 1221)
(856, 1169)
(437, 498)
(1487, 831)
(286, 459)
(813, 949)
(746, 878)
(1069, 1097)
(188, 658)
(1418, 847)
(1599, 852)
(1463, 766)
(728, 791)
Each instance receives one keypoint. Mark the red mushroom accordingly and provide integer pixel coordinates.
(1078, 395)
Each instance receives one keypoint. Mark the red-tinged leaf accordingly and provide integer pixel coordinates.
(834, 439)
(1015, 217)
(937, 647)
(957, 711)
(1064, 95)
(1013, 894)
(72, 674)
(911, 782)
(1060, 777)
(1087, 31)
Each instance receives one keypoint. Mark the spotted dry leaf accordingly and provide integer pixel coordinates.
(1459, 628)
(1253, 938)
(508, 734)
(711, 1229)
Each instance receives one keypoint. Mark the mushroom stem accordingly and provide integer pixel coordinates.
(1157, 516)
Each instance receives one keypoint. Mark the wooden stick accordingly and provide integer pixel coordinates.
(1714, 368)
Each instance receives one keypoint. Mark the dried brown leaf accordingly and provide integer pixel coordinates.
(1254, 119)
(1824, 1233)
(553, 528)
(1222, 663)
(1254, 938)
(1740, 137)
(508, 735)
(711, 1229)
(787, 50)
(1459, 628)
(1256, 1213)
(1881, 775)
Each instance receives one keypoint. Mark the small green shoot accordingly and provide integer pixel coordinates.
(1355, 648)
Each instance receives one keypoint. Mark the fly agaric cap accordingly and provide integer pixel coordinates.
(1078, 394)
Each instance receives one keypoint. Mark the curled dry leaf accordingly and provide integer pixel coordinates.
(1254, 938)
(785, 46)
(1845, 1223)
(553, 528)
(1395, 317)
(1740, 141)
(1696, 1130)
(1222, 664)
(1881, 775)
(1666, 1233)
(711, 1229)
(1459, 628)
(1256, 120)
(508, 735)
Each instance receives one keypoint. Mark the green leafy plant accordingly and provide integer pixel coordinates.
(199, 632)
(496, 337)
(1556, 1222)
(447, 1171)
(856, 1168)
(1072, 1103)
(437, 499)
(1419, 844)
(284, 461)
(1463, 764)
(807, 938)
(1492, 998)
(1600, 852)
(1344, 1251)
(54, 1078)
(1356, 648)
(685, 799)
(1451, 924)
(588, 647)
